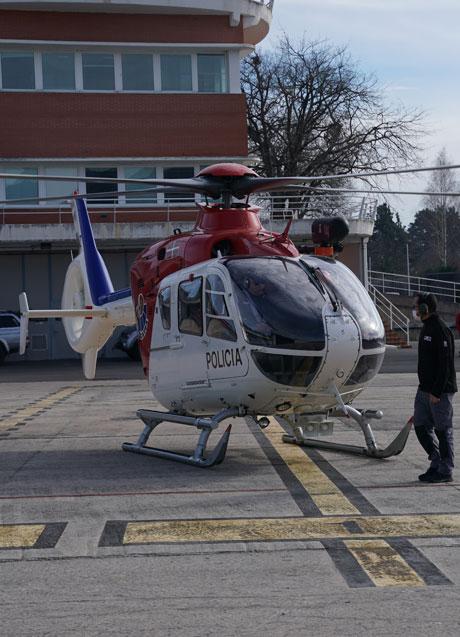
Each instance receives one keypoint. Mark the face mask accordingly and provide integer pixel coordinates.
(415, 316)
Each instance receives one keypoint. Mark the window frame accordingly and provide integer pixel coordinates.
(128, 195)
(40, 79)
(33, 55)
(192, 65)
(231, 71)
(107, 201)
(179, 304)
(115, 67)
(226, 81)
(151, 55)
(220, 318)
(79, 169)
(28, 170)
(161, 304)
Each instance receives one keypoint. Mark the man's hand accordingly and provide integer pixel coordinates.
(434, 400)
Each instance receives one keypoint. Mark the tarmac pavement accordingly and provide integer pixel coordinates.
(277, 540)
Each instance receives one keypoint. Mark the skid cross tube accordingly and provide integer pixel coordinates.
(152, 419)
(371, 450)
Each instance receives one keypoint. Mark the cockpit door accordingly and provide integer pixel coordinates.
(342, 351)
(226, 352)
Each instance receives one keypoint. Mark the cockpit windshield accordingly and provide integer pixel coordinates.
(350, 291)
(280, 305)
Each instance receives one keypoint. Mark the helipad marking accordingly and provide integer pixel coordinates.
(384, 566)
(325, 494)
(31, 536)
(32, 410)
(288, 529)
(20, 535)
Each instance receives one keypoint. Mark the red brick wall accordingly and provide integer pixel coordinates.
(116, 27)
(117, 125)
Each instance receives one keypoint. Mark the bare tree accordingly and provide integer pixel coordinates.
(312, 112)
(441, 182)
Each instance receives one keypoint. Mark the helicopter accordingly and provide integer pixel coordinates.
(232, 320)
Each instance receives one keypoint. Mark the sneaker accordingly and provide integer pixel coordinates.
(425, 477)
(439, 477)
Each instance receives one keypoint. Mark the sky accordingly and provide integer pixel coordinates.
(412, 47)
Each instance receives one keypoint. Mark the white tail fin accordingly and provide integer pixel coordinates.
(89, 363)
(90, 309)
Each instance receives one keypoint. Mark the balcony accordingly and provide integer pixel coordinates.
(124, 226)
(253, 16)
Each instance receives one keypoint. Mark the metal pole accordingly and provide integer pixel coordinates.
(408, 269)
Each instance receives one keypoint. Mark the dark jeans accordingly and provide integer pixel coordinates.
(433, 427)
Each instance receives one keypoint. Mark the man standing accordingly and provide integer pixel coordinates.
(437, 385)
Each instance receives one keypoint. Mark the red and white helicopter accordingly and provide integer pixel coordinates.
(232, 320)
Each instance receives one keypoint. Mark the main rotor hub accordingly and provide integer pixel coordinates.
(227, 170)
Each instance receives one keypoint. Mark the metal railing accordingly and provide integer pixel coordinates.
(397, 320)
(312, 206)
(272, 207)
(402, 284)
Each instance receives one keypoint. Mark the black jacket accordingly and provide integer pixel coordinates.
(436, 351)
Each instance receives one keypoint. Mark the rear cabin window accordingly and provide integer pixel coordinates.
(218, 325)
(190, 307)
(165, 307)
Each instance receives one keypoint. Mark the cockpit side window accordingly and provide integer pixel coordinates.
(190, 307)
(217, 323)
(164, 299)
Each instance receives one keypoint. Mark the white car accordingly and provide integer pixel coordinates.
(9, 334)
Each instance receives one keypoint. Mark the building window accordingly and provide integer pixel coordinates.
(18, 70)
(95, 187)
(132, 190)
(60, 188)
(176, 73)
(98, 72)
(179, 172)
(17, 188)
(137, 70)
(58, 71)
(212, 74)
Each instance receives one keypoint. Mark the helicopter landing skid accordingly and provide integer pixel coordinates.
(372, 450)
(152, 419)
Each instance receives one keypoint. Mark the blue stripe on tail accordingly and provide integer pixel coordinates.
(99, 281)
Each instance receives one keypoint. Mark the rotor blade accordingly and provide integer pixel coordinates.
(206, 185)
(246, 185)
(91, 195)
(373, 192)
(240, 187)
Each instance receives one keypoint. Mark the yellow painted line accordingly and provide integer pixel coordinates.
(324, 493)
(301, 528)
(31, 410)
(383, 564)
(19, 535)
